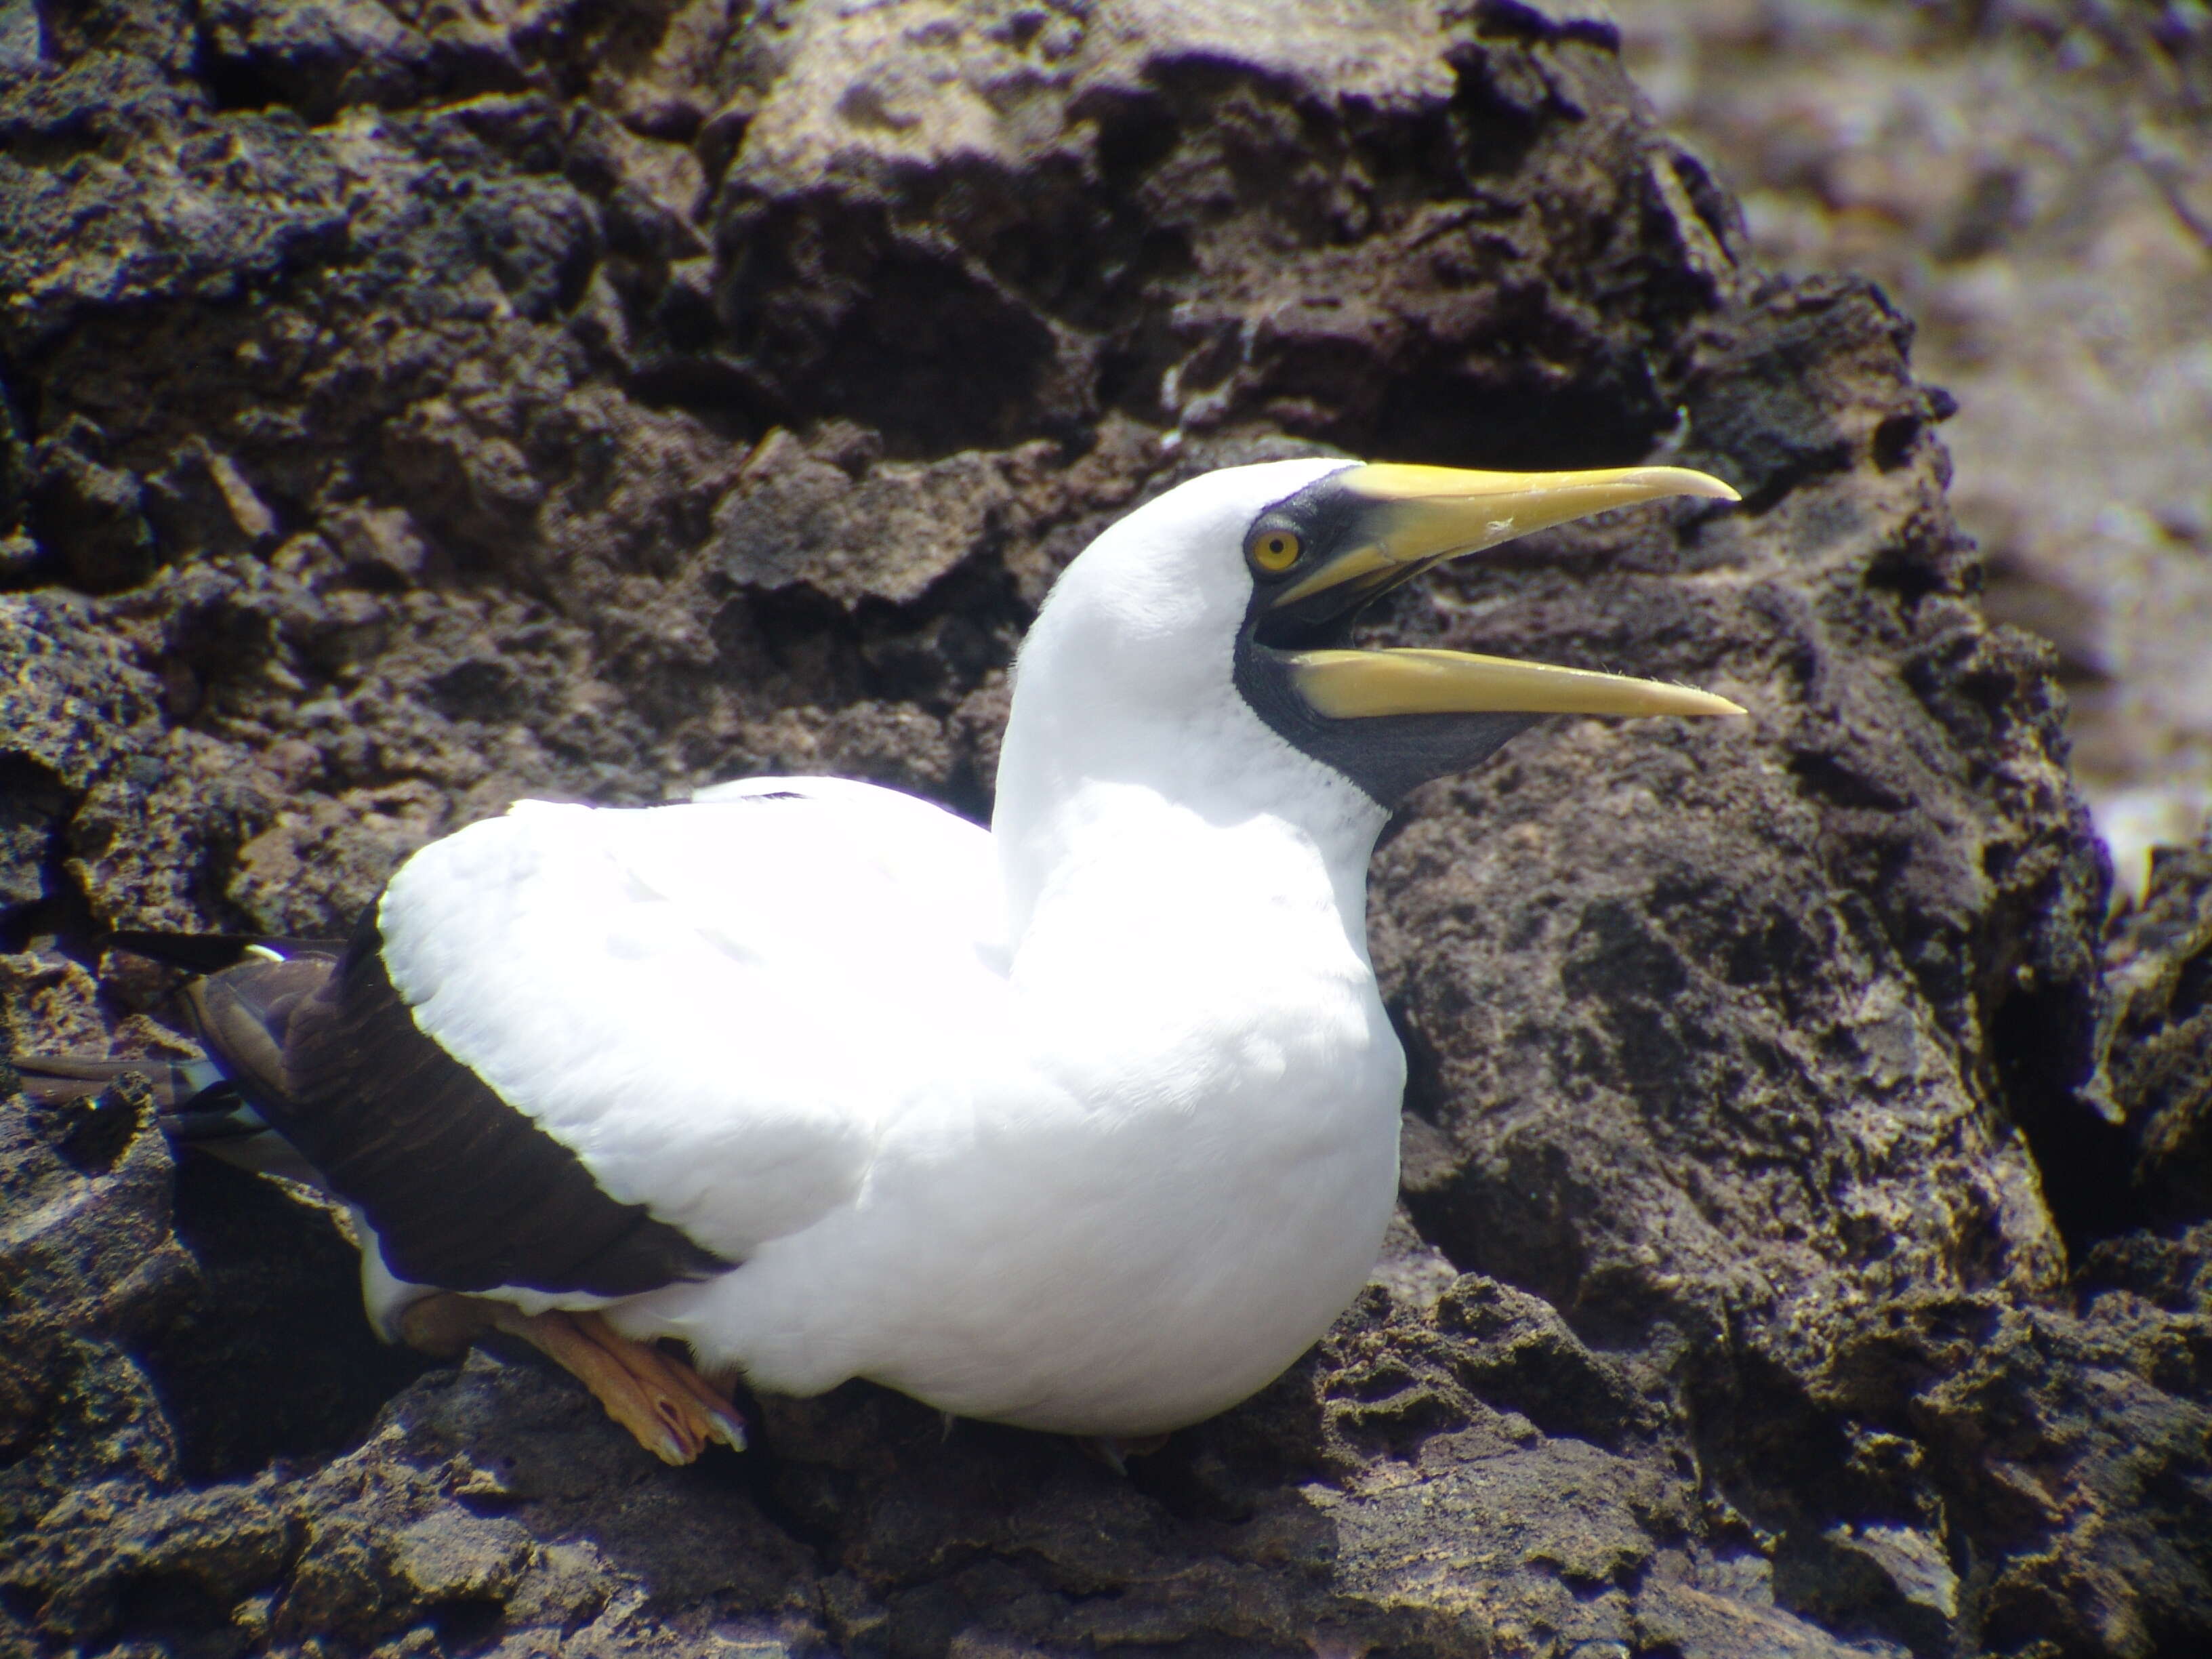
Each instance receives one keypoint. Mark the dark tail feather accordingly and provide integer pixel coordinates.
(245, 1014)
(53, 1079)
(242, 1009)
(211, 953)
(196, 1105)
(230, 1129)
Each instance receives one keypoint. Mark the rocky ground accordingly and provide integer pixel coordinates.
(407, 406)
(2032, 180)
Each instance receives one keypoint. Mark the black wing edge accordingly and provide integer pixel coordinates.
(308, 1040)
(465, 1191)
(211, 953)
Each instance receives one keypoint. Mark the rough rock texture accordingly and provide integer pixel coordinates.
(2156, 1062)
(2032, 180)
(408, 406)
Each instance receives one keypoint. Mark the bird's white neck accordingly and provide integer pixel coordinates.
(1136, 784)
(1118, 873)
(1201, 825)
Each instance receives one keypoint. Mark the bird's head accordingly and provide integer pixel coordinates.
(1238, 590)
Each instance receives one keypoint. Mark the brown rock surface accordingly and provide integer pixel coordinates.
(412, 406)
(2032, 180)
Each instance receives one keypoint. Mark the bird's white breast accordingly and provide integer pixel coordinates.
(1089, 1124)
(1157, 1191)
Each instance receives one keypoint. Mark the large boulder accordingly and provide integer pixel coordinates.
(411, 407)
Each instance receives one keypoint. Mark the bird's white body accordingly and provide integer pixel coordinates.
(1085, 1123)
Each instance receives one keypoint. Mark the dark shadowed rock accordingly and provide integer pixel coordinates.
(2157, 1040)
(408, 408)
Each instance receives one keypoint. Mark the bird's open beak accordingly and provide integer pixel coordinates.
(1405, 520)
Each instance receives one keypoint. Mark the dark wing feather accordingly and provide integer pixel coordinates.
(465, 1192)
(52, 1079)
(211, 953)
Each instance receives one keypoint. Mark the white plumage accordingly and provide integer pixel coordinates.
(1107, 1170)
(1087, 1122)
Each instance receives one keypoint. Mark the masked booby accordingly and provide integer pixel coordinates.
(1085, 1122)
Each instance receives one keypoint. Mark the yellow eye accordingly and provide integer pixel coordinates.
(1275, 550)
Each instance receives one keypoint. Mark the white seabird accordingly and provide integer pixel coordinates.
(1085, 1122)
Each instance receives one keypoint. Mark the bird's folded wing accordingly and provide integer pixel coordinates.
(717, 1006)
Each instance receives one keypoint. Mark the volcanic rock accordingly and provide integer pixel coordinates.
(409, 407)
